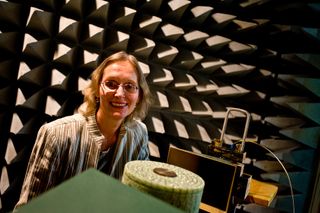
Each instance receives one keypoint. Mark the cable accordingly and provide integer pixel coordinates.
(285, 170)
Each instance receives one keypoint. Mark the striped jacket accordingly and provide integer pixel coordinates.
(70, 145)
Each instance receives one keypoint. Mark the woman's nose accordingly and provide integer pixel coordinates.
(120, 91)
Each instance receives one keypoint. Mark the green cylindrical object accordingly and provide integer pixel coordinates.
(174, 185)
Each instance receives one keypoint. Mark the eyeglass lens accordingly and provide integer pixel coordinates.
(113, 85)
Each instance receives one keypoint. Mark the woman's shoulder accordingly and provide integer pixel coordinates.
(74, 119)
(137, 125)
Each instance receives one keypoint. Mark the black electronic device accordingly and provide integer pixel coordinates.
(221, 168)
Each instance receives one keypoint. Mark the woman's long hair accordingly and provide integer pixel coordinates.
(90, 104)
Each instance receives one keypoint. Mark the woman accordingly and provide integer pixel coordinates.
(105, 134)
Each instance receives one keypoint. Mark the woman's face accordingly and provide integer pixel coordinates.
(119, 92)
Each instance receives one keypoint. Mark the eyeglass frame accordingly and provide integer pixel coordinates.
(123, 85)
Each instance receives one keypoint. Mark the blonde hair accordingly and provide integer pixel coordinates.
(91, 104)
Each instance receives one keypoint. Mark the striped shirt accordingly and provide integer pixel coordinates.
(70, 145)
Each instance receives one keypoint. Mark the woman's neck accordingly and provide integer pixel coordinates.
(108, 127)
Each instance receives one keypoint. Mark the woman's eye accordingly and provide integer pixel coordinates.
(130, 87)
(112, 85)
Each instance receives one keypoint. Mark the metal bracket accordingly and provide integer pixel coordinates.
(219, 149)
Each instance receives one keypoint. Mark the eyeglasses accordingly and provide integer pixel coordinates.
(113, 86)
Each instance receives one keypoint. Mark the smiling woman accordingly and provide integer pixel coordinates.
(117, 103)
(105, 134)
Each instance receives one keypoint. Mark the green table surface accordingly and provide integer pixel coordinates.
(93, 191)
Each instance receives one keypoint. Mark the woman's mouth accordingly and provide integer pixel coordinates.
(117, 104)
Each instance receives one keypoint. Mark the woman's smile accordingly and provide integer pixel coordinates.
(118, 104)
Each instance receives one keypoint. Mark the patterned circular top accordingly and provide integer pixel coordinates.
(163, 176)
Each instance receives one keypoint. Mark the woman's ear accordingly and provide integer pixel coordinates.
(139, 100)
